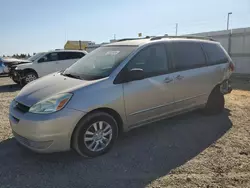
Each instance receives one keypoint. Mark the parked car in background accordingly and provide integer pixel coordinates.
(118, 87)
(11, 63)
(3, 69)
(45, 63)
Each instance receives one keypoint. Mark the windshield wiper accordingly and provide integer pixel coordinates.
(72, 76)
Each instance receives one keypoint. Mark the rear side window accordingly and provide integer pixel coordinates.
(70, 55)
(215, 53)
(78, 55)
(187, 55)
(152, 59)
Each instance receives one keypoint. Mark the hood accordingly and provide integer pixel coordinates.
(22, 65)
(49, 85)
(15, 61)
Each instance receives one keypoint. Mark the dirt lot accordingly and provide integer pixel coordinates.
(190, 150)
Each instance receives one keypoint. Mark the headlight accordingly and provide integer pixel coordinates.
(51, 104)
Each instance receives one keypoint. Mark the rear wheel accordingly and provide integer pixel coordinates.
(215, 103)
(29, 77)
(95, 134)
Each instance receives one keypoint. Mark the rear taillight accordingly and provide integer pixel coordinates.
(231, 66)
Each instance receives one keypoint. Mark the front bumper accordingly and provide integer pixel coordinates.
(44, 133)
(15, 75)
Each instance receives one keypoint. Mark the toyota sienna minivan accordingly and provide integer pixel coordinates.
(118, 87)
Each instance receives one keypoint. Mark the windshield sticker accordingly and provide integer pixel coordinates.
(112, 52)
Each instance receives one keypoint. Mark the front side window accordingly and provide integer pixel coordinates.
(99, 63)
(152, 60)
(187, 55)
(215, 53)
(49, 57)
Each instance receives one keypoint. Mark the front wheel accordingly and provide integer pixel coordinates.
(16, 81)
(95, 134)
(215, 103)
(29, 77)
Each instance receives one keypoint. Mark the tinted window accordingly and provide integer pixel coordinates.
(152, 60)
(215, 53)
(65, 55)
(49, 57)
(78, 55)
(70, 55)
(187, 55)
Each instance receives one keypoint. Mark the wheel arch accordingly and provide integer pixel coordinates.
(29, 70)
(216, 87)
(107, 110)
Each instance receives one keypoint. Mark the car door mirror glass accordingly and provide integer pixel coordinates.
(136, 74)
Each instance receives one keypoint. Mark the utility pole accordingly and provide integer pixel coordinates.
(228, 16)
(176, 29)
(114, 37)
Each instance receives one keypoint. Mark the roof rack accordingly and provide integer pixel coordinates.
(183, 36)
(147, 37)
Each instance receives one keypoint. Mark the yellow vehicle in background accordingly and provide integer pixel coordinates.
(77, 45)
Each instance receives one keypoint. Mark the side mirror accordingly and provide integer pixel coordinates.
(136, 74)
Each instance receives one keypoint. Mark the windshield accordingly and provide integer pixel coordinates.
(100, 62)
(36, 56)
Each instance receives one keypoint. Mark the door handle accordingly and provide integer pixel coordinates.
(179, 77)
(168, 80)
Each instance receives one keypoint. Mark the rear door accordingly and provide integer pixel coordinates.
(192, 83)
(68, 58)
(151, 97)
(217, 60)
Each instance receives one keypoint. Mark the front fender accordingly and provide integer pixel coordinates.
(104, 94)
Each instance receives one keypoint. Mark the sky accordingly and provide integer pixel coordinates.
(28, 26)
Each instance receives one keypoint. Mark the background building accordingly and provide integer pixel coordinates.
(237, 43)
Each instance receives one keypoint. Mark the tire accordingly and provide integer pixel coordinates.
(215, 103)
(16, 81)
(29, 77)
(85, 143)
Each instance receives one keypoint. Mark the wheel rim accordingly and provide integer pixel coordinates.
(98, 136)
(30, 78)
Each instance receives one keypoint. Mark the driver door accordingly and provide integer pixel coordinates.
(152, 96)
(48, 64)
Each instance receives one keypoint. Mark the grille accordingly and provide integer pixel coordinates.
(22, 108)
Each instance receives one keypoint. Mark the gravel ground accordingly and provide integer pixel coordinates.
(190, 150)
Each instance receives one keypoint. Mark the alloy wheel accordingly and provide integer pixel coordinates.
(30, 77)
(98, 136)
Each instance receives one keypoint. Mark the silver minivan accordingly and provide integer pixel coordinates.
(118, 87)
